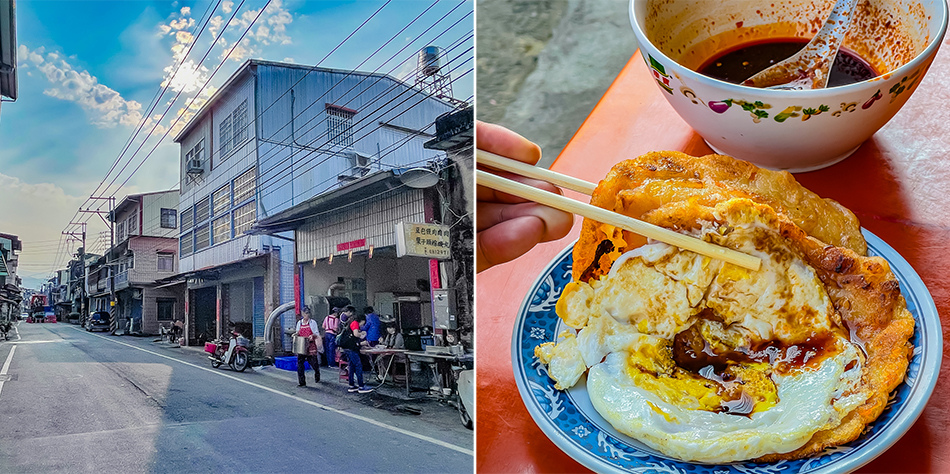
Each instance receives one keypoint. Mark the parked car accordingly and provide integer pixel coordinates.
(98, 320)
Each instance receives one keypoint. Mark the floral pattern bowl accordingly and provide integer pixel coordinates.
(795, 130)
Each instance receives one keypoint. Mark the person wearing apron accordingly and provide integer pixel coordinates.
(307, 328)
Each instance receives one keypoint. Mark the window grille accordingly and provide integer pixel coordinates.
(222, 199)
(222, 228)
(233, 129)
(188, 219)
(202, 211)
(244, 186)
(225, 136)
(202, 237)
(340, 123)
(133, 223)
(187, 244)
(239, 124)
(244, 217)
(198, 151)
(169, 218)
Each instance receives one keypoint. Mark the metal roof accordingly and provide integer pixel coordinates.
(295, 216)
(253, 63)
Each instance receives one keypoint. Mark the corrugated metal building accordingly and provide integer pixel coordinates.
(276, 136)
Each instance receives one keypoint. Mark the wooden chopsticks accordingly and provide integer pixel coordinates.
(593, 212)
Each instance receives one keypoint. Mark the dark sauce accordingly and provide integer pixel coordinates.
(738, 64)
(693, 353)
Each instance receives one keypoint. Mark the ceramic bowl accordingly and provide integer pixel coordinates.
(795, 130)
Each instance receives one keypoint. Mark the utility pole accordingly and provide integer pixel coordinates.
(82, 261)
(113, 322)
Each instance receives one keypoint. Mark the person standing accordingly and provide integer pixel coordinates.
(371, 326)
(308, 329)
(331, 325)
(350, 343)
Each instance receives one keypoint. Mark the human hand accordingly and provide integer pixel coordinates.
(509, 226)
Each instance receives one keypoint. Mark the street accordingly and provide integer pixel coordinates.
(77, 401)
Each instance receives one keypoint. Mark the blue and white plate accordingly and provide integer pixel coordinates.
(570, 421)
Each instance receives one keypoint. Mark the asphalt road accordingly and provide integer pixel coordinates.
(83, 402)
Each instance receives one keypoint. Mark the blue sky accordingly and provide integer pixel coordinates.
(88, 71)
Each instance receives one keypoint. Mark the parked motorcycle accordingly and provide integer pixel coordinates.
(234, 352)
(5, 328)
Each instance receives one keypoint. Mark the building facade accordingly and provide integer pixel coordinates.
(145, 250)
(275, 136)
(10, 295)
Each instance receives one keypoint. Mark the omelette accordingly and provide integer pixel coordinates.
(709, 362)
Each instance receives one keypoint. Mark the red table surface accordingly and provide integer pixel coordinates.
(897, 183)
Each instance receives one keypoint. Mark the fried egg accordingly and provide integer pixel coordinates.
(706, 361)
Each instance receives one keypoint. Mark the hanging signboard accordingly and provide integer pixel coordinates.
(423, 240)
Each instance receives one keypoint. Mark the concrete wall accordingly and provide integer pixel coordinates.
(146, 250)
(150, 296)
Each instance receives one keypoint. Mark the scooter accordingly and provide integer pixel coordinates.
(466, 396)
(234, 352)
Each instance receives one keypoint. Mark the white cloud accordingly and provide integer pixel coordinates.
(23, 203)
(105, 106)
(270, 28)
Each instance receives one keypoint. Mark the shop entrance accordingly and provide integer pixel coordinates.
(203, 304)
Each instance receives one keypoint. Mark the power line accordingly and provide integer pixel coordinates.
(252, 123)
(213, 151)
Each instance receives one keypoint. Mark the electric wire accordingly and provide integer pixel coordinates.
(251, 123)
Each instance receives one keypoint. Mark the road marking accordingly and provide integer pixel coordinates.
(6, 366)
(39, 342)
(303, 400)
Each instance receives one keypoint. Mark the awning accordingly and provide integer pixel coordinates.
(210, 272)
(295, 216)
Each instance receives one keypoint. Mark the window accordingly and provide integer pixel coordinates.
(187, 244)
(233, 129)
(166, 262)
(222, 228)
(166, 309)
(202, 237)
(169, 218)
(244, 186)
(239, 124)
(120, 232)
(225, 132)
(244, 217)
(132, 223)
(222, 199)
(340, 125)
(202, 211)
(188, 219)
(196, 152)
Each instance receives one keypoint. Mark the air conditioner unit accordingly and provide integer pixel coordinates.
(359, 161)
(194, 167)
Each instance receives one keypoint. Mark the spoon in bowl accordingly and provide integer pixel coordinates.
(809, 68)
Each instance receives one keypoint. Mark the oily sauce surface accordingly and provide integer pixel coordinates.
(738, 64)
